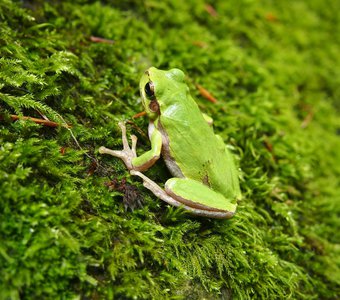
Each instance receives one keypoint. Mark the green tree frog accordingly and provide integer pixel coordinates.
(205, 179)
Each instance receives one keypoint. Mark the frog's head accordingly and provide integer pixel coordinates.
(158, 88)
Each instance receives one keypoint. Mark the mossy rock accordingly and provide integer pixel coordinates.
(65, 234)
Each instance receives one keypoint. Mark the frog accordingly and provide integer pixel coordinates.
(205, 179)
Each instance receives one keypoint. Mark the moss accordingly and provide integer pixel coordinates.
(273, 67)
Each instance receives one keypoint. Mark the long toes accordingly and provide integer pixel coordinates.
(133, 138)
(116, 153)
(126, 146)
(133, 144)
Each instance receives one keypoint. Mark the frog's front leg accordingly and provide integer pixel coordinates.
(129, 156)
(191, 195)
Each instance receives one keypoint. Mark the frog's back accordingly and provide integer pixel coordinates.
(198, 153)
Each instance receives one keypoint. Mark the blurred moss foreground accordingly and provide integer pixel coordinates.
(274, 67)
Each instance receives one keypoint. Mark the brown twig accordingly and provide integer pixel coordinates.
(205, 93)
(39, 121)
(211, 10)
(97, 39)
(200, 44)
(271, 17)
(137, 128)
(268, 145)
(138, 115)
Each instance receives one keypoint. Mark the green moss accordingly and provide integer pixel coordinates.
(273, 67)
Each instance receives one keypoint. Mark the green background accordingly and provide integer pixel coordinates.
(274, 67)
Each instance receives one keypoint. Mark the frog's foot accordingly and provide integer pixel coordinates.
(173, 199)
(127, 154)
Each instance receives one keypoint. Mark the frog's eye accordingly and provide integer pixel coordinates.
(149, 90)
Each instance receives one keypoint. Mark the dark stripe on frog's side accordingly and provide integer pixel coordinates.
(168, 159)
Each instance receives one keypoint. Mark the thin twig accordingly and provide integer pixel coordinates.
(97, 39)
(205, 93)
(211, 10)
(140, 114)
(39, 121)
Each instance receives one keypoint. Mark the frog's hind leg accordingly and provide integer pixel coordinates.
(175, 194)
(197, 195)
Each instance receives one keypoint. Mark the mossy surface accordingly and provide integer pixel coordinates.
(274, 67)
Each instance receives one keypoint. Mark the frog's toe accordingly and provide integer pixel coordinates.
(102, 150)
(116, 153)
(126, 146)
(133, 144)
(121, 124)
